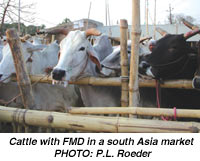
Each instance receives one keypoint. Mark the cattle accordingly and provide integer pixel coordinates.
(172, 58)
(38, 58)
(80, 59)
(1, 48)
(28, 49)
(111, 64)
(3, 42)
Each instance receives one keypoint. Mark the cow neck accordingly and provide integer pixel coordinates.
(180, 71)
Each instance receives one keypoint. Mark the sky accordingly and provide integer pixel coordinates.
(53, 12)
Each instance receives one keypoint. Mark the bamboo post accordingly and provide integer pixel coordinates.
(94, 123)
(135, 37)
(154, 24)
(21, 71)
(124, 62)
(20, 67)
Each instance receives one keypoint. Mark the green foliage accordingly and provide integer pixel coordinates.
(66, 20)
(31, 29)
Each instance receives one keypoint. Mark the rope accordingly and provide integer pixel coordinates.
(159, 103)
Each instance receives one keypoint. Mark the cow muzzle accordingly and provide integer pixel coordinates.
(143, 66)
(58, 74)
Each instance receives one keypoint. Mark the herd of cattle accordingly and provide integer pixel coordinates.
(170, 57)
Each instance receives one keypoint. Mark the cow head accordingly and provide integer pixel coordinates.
(111, 64)
(75, 53)
(169, 55)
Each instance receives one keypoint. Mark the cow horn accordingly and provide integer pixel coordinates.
(161, 31)
(26, 37)
(92, 31)
(63, 31)
(145, 38)
(191, 33)
(189, 25)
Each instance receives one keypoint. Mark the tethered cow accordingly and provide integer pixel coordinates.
(172, 57)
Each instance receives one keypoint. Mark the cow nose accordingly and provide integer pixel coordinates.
(58, 74)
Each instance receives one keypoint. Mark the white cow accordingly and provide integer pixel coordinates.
(2, 44)
(80, 59)
(38, 58)
(1, 48)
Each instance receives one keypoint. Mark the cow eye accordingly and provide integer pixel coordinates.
(82, 49)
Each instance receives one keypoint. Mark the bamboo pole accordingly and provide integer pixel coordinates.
(154, 24)
(94, 123)
(20, 67)
(144, 111)
(135, 37)
(23, 80)
(124, 62)
(115, 81)
(147, 16)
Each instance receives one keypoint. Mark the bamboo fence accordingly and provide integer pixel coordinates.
(94, 123)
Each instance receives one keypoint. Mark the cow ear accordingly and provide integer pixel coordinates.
(95, 60)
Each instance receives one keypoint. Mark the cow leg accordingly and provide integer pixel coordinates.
(196, 79)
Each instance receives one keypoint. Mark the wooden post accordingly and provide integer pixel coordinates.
(135, 37)
(124, 62)
(20, 67)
